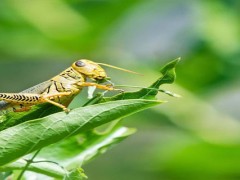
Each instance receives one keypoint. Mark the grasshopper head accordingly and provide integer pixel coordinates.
(90, 69)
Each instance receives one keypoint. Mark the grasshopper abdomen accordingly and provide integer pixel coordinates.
(19, 98)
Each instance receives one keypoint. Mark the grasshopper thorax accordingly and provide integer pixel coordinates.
(90, 69)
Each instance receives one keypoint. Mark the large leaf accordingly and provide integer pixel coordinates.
(24, 138)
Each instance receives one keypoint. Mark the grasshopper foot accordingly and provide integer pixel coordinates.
(66, 110)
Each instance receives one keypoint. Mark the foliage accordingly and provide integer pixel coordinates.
(18, 140)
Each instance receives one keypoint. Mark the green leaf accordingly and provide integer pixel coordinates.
(24, 138)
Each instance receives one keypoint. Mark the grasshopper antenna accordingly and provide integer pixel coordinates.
(160, 90)
(121, 69)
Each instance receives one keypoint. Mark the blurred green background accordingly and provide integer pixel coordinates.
(193, 137)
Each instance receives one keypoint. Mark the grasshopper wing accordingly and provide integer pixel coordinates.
(39, 88)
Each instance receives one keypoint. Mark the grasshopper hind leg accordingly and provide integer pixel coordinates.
(57, 104)
(22, 108)
(14, 108)
(48, 98)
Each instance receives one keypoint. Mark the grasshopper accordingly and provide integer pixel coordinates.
(60, 89)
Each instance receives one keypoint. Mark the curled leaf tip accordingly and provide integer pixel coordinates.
(169, 66)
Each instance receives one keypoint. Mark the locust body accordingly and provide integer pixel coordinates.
(59, 90)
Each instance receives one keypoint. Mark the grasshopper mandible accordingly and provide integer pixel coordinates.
(58, 89)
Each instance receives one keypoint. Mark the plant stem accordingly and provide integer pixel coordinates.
(27, 165)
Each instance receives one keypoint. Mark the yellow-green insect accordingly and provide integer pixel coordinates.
(60, 89)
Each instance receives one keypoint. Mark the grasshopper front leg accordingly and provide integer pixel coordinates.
(99, 86)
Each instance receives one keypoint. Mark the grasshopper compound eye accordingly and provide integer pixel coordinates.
(80, 64)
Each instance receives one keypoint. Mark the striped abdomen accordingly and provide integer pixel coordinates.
(20, 98)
